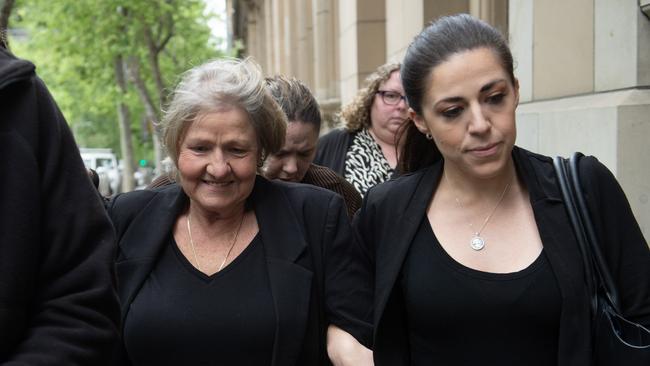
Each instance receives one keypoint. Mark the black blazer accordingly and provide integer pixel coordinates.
(58, 304)
(331, 149)
(316, 278)
(392, 212)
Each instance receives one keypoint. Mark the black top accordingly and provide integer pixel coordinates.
(181, 316)
(460, 316)
(331, 149)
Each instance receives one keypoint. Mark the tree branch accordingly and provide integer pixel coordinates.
(168, 36)
(135, 77)
(165, 32)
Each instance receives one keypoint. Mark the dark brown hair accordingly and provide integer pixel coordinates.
(295, 99)
(434, 45)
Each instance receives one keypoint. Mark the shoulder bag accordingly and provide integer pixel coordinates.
(615, 340)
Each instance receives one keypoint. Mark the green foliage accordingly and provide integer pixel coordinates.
(74, 44)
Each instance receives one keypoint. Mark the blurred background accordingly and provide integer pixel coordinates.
(111, 65)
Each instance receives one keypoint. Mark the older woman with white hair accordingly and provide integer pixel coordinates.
(226, 267)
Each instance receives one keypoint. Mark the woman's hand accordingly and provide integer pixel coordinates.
(344, 350)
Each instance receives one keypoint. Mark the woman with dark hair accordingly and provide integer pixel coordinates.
(293, 162)
(365, 151)
(483, 267)
(226, 267)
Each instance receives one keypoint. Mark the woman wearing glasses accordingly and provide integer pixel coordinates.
(365, 150)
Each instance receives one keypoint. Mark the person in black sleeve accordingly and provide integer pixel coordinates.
(58, 304)
(226, 267)
(476, 259)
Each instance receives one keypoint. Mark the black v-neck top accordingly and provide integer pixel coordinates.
(460, 316)
(183, 317)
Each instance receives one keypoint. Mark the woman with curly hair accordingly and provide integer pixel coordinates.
(364, 151)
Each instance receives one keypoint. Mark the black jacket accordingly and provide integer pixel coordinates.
(311, 260)
(331, 149)
(392, 212)
(58, 304)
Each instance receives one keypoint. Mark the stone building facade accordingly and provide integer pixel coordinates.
(583, 65)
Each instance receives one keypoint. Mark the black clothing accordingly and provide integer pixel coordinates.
(57, 298)
(181, 316)
(316, 273)
(331, 149)
(402, 202)
(477, 317)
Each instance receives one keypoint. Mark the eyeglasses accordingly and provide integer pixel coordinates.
(391, 97)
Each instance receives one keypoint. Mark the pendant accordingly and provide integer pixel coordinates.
(477, 243)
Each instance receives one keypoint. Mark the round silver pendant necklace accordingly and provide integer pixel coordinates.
(477, 242)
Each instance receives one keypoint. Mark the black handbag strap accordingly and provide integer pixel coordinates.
(560, 165)
(597, 274)
(604, 275)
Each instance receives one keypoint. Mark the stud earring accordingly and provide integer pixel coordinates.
(428, 136)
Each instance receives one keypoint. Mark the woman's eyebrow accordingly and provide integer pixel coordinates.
(490, 85)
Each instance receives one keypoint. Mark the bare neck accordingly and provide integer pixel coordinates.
(460, 185)
(216, 222)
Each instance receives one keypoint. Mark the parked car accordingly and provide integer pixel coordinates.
(104, 162)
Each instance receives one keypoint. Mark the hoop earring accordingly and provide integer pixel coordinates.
(428, 136)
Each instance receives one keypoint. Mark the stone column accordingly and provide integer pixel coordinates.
(255, 43)
(494, 12)
(622, 45)
(325, 62)
(362, 42)
(521, 44)
(277, 36)
(403, 22)
(433, 10)
(564, 48)
(269, 17)
(304, 51)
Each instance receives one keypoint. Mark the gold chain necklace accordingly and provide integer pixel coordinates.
(477, 242)
(232, 245)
